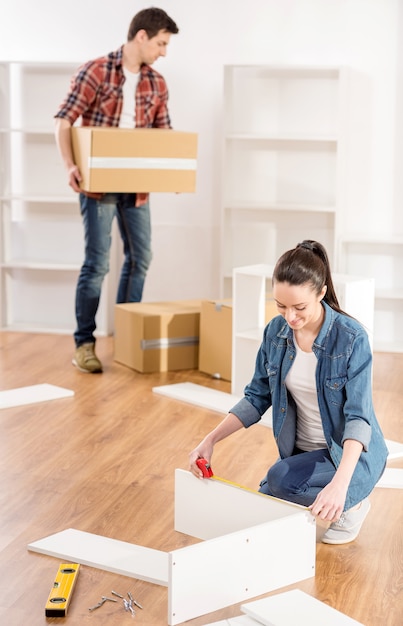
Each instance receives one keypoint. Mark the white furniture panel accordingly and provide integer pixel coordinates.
(32, 394)
(104, 553)
(234, 506)
(200, 395)
(223, 571)
(296, 607)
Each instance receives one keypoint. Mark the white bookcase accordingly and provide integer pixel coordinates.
(40, 227)
(381, 258)
(251, 284)
(283, 145)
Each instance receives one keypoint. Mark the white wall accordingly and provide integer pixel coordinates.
(363, 34)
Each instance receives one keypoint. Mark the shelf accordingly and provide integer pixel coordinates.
(280, 207)
(372, 241)
(48, 130)
(43, 266)
(389, 294)
(44, 329)
(254, 334)
(291, 138)
(290, 71)
(38, 328)
(41, 199)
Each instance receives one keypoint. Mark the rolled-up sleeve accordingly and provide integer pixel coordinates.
(358, 407)
(246, 413)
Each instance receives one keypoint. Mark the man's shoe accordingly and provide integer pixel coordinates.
(86, 360)
(346, 529)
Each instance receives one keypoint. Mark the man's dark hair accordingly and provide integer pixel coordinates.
(152, 21)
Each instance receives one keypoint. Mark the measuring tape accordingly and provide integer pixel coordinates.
(62, 590)
(205, 467)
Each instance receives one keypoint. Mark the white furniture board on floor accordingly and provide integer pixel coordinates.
(395, 449)
(111, 555)
(32, 394)
(241, 620)
(296, 607)
(205, 397)
(199, 395)
(391, 478)
(211, 574)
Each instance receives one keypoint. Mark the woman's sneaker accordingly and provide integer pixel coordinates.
(346, 529)
(86, 360)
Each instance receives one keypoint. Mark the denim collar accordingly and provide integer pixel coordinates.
(320, 341)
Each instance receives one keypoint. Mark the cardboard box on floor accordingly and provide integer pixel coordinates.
(130, 160)
(157, 336)
(215, 347)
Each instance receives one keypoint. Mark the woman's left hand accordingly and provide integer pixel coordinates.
(329, 503)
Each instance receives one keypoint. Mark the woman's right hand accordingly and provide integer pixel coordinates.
(202, 451)
(230, 424)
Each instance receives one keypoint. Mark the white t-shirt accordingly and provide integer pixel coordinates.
(128, 114)
(301, 384)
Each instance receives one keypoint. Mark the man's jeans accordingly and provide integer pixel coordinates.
(300, 477)
(135, 229)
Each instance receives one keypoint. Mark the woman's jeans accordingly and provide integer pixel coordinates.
(135, 229)
(300, 477)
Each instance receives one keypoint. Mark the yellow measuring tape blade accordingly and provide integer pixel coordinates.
(62, 590)
(229, 482)
(257, 493)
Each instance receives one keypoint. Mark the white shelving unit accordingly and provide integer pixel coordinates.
(251, 283)
(381, 258)
(40, 226)
(283, 148)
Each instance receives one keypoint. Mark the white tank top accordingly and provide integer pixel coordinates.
(301, 384)
(128, 114)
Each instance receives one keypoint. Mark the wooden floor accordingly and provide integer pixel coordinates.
(103, 462)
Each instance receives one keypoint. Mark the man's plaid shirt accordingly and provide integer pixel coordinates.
(96, 94)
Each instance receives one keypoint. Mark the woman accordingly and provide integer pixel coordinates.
(314, 368)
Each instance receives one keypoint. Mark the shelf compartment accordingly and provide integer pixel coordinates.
(256, 237)
(278, 100)
(388, 328)
(273, 172)
(28, 290)
(43, 86)
(56, 241)
(377, 258)
(36, 166)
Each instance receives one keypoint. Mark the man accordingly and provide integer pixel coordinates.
(120, 90)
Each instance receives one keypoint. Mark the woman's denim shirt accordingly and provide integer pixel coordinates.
(344, 391)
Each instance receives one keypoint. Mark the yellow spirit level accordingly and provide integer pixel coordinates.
(62, 590)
